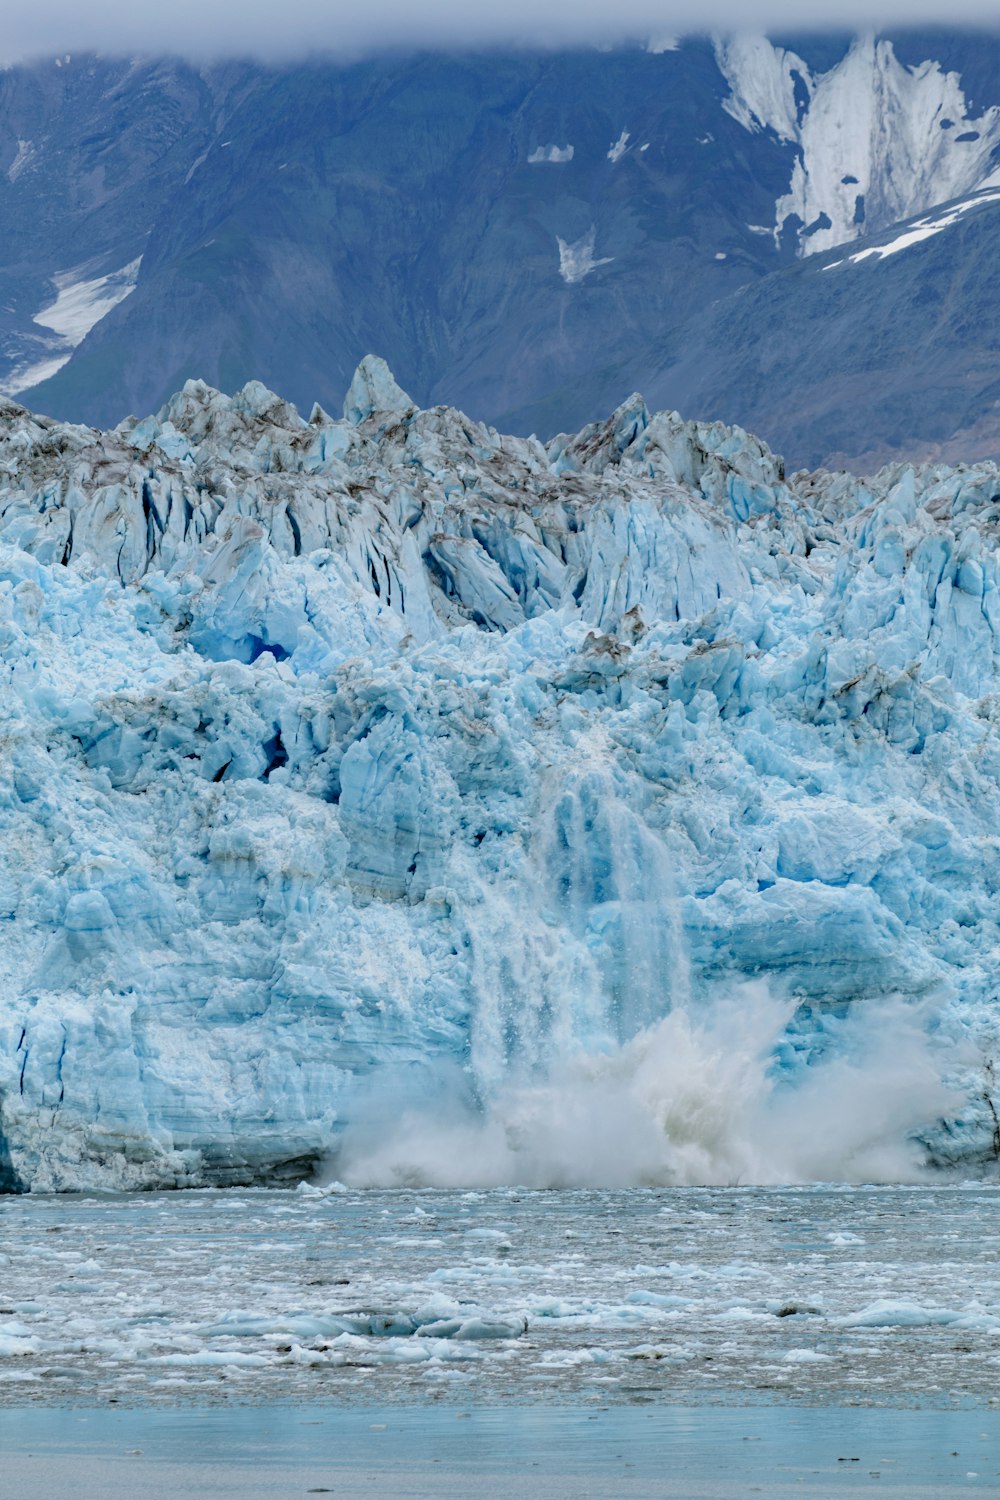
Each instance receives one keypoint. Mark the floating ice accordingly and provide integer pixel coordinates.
(890, 1314)
(326, 1292)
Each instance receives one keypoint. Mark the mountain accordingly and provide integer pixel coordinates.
(527, 236)
(480, 220)
(385, 769)
(887, 346)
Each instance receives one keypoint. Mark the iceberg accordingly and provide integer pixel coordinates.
(360, 767)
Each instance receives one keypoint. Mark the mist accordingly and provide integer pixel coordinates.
(212, 28)
(693, 1100)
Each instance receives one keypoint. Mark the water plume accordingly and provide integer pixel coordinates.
(595, 1061)
(694, 1099)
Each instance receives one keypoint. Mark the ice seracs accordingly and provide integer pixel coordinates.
(374, 389)
(349, 762)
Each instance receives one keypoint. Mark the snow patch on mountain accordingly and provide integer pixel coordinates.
(80, 304)
(877, 141)
(762, 80)
(916, 233)
(555, 154)
(23, 159)
(577, 260)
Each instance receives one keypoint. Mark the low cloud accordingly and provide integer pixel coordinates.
(265, 29)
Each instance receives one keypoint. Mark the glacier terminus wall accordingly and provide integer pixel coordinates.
(390, 794)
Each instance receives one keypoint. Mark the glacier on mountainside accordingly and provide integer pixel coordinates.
(878, 141)
(349, 763)
(79, 305)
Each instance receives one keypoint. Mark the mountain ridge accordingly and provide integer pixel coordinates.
(290, 219)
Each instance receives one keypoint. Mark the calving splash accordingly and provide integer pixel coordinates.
(440, 806)
(577, 1077)
(691, 1101)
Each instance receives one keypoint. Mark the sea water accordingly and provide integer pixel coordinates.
(429, 1453)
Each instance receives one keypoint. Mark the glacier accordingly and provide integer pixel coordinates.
(361, 770)
(877, 141)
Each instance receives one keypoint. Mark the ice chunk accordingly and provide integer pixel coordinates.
(374, 389)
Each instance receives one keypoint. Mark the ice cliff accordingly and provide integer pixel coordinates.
(343, 758)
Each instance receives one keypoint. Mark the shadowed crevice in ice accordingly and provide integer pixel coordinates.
(10, 1182)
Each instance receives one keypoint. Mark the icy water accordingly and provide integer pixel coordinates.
(880, 1297)
(616, 1453)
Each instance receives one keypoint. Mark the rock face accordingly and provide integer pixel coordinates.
(337, 754)
(526, 236)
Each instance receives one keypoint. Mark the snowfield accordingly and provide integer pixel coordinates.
(878, 141)
(617, 810)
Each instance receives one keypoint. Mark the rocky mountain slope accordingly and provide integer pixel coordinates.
(528, 236)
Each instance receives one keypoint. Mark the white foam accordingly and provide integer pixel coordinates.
(692, 1099)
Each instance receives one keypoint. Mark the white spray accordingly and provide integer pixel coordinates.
(592, 1066)
(686, 1101)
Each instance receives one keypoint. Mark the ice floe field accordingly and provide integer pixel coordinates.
(873, 1296)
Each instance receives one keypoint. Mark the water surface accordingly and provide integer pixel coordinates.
(617, 1453)
(885, 1297)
